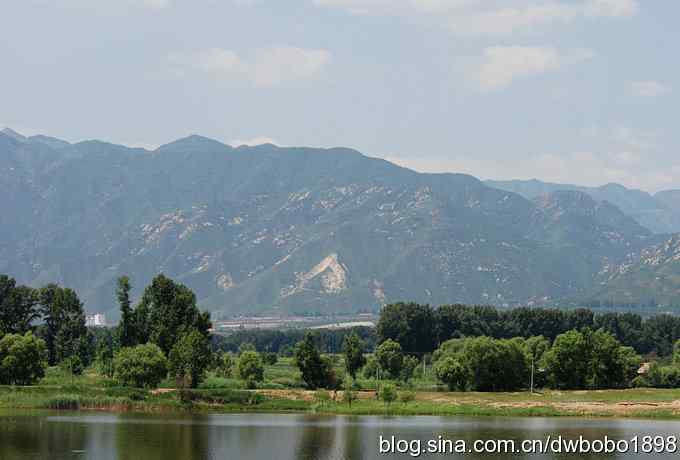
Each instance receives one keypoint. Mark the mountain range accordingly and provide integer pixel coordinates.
(297, 230)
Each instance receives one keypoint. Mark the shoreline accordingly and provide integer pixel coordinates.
(629, 403)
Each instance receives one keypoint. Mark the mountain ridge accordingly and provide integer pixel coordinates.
(295, 229)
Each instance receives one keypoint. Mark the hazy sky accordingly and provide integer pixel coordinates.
(579, 91)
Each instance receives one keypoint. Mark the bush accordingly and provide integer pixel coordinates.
(387, 393)
(23, 359)
(143, 366)
(390, 358)
(250, 367)
(450, 371)
(270, 358)
(371, 368)
(407, 396)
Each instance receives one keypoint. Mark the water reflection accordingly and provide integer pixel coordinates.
(305, 437)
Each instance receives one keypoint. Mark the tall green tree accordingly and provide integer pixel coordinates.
(409, 324)
(316, 371)
(64, 319)
(18, 307)
(23, 359)
(168, 309)
(189, 359)
(126, 329)
(353, 349)
(390, 358)
(567, 362)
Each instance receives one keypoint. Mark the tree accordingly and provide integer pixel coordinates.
(611, 365)
(141, 366)
(387, 393)
(353, 349)
(408, 324)
(316, 371)
(166, 309)
(250, 367)
(452, 372)
(189, 359)
(270, 358)
(390, 358)
(495, 364)
(126, 329)
(534, 349)
(105, 357)
(23, 359)
(568, 360)
(18, 307)
(348, 394)
(408, 368)
(64, 322)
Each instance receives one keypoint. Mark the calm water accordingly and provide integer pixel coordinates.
(26, 435)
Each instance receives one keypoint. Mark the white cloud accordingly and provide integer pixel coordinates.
(648, 88)
(259, 140)
(265, 67)
(501, 65)
(485, 17)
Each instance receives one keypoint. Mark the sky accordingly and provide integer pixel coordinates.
(571, 91)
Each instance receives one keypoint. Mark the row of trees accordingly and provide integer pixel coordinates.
(575, 360)
(421, 329)
(54, 315)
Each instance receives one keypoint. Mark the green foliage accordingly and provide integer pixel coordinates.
(371, 368)
(127, 334)
(408, 324)
(142, 366)
(223, 364)
(353, 350)
(407, 396)
(64, 320)
(316, 371)
(390, 358)
(18, 307)
(387, 393)
(408, 367)
(495, 365)
(105, 357)
(166, 310)
(660, 376)
(589, 360)
(269, 358)
(72, 365)
(246, 346)
(250, 367)
(452, 372)
(23, 359)
(349, 394)
(189, 359)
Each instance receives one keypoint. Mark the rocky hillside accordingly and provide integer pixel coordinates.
(660, 212)
(293, 230)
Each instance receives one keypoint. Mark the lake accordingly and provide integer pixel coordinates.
(31, 435)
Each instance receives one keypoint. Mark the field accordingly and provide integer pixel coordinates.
(282, 391)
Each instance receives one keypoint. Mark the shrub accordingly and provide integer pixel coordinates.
(270, 358)
(23, 359)
(250, 367)
(390, 358)
(452, 372)
(407, 396)
(387, 393)
(140, 366)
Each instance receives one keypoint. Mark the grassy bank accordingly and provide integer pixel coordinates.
(282, 392)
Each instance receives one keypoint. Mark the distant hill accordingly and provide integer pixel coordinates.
(294, 230)
(660, 212)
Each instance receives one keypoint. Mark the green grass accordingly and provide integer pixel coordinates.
(282, 392)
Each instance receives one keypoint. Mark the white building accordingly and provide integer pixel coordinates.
(98, 319)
